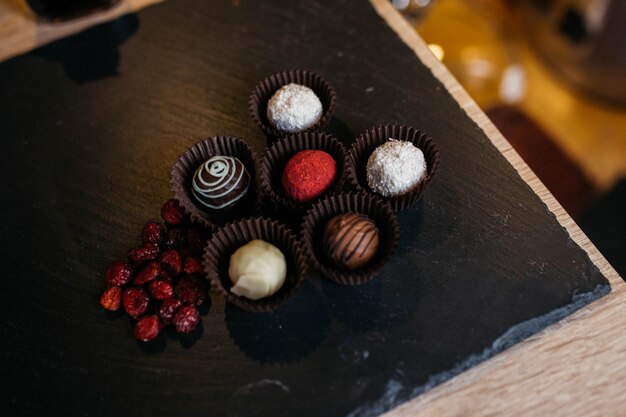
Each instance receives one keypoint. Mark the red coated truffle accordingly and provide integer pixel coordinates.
(308, 174)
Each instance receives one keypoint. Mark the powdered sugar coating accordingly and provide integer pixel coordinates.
(294, 108)
(395, 168)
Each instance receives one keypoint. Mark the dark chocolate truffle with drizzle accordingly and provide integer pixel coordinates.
(220, 183)
(350, 240)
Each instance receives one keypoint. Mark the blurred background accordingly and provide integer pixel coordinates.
(551, 75)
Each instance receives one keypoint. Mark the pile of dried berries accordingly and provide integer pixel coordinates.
(161, 282)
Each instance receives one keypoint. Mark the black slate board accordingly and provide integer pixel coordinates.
(89, 134)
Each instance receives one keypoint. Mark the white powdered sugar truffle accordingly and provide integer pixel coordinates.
(395, 168)
(294, 108)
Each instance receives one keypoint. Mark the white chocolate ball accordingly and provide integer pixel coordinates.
(294, 108)
(257, 269)
(395, 168)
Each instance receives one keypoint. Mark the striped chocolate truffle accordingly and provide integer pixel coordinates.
(350, 240)
(220, 182)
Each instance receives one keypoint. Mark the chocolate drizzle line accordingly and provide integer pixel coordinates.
(220, 177)
(366, 230)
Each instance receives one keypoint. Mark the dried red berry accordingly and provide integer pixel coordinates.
(171, 260)
(174, 238)
(196, 240)
(152, 232)
(160, 290)
(147, 252)
(191, 291)
(118, 274)
(168, 308)
(172, 212)
(147, 328)
(135, 301)
(111, 298)
(148, 273)
(186, 319)
(193, 265)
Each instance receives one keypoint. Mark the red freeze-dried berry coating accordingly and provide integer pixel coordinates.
(148, 273)
(174, 238)
(172, 212)
(193, 265)
(171, 261)
(111, 298)
(168, 308)
(308, 174)
(186, 319)
(160, 290)
(147, 252)
(135, 301)
(152, 232)
(118, 274)
(147, 328)
(191, 291)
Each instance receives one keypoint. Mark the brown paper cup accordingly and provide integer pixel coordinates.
(277, 155)
(322, 211)
(186, 165)
(368, 141)
(226, 240)
(268, 86)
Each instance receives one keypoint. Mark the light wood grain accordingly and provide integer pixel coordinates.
(576, 367)
(21, 31)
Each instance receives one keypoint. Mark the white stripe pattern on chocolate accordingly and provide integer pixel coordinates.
(218, 177)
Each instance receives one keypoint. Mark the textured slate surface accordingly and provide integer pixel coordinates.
(90, 127)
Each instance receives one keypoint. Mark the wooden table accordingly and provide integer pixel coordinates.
(21, 31)
(88, 151)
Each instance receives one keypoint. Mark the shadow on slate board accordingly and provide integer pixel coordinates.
(481, 263)
(94, 54)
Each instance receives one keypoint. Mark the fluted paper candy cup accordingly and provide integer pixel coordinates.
(368, 141)
(186, 166)
(359, 203)
(269, 85)
(226, 240)
(278, 154)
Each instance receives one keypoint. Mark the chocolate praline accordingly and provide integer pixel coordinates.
(308, 174)
(220, 182)
(350, 240)
(395, 168)
(294, 108)
(257, 269)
